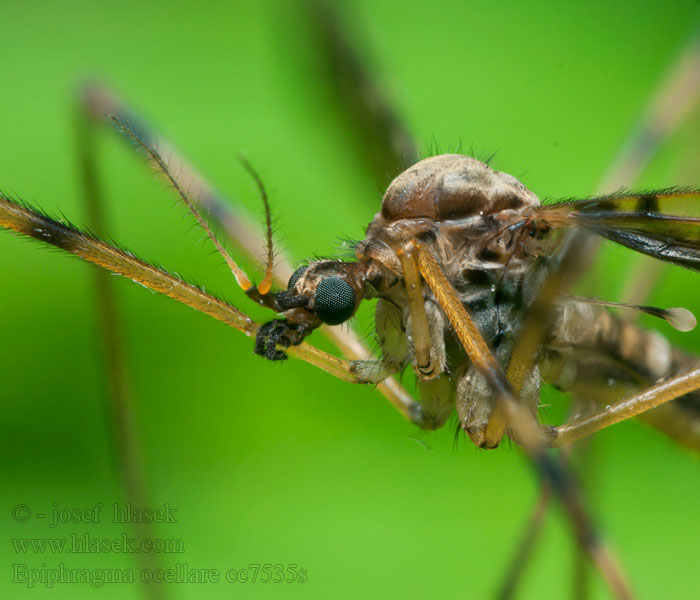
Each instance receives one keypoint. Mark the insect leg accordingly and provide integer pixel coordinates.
(374, 123)
(119, 397)
(373, 370)
(521, 421)
(675, 97)
(535, 522)
(599, 355)
(654, 396)
(388, 327)
(427, 351)
(395, 339)
(240, 227)
(425, 361)
(32, 223)
(478, 351)
(523, 551)
(162, 167)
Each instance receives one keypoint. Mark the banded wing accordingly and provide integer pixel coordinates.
(664, 224)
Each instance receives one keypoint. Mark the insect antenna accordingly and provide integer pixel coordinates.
(677, 317)
(161, 167)
(266, 283)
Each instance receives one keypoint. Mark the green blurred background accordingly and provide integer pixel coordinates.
(279, 463)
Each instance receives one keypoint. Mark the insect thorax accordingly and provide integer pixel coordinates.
(474, 221)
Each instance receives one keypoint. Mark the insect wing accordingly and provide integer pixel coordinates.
(664, 224)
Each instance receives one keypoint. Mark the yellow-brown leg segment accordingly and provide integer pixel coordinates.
(521, 421)
(507, 410)
(676, 95)
(424, 362)
(238, 225)
(31, 223)
(625, 409)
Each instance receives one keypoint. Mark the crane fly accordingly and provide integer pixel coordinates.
(463, 261)
(455, 259)
(470, 274)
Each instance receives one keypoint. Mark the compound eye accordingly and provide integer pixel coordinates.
(334, 300)
(296, 276)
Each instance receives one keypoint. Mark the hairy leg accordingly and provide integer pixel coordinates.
(521, 422)
(626, 409)
(119, 396)
(675, 97)
(234, 221)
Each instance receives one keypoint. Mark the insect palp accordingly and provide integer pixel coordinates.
(272, 334)
(286, 300)
(265, 285)
(325, 291)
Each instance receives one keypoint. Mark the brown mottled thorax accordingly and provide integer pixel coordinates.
(475, 221)
(453, 186)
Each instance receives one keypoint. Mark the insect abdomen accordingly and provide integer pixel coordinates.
(601, 357)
